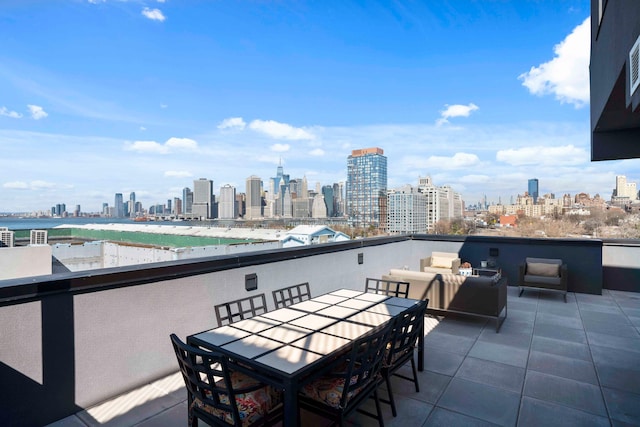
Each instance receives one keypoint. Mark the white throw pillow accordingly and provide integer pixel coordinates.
(440, 262)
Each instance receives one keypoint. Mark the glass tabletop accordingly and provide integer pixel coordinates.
(256, 324)
(313, 321)
(329, 299)
(347, 329)
(388, 309)
(402, 302)
(289, 359)
(358, 304)
(322, 343)
(372, 297)
(369, 318)
(222, 335)
(283, 314)
(349, 293)
(337, 312)
(285, 333)
(309, 306)
(252, 346)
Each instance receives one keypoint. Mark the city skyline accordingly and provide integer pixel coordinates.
(479, 96)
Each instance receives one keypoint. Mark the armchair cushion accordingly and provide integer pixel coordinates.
(441, 262)
(543, 269)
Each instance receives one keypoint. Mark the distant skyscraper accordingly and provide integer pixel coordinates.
(366, 186)
(407, 210)
(533, 189)
(177, 206)
(254, 197)
(132, 205)
(187, 200)
(227, 208)
(202, 198)
(329, 201)
(118, 206)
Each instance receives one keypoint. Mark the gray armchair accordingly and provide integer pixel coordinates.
(543, 273)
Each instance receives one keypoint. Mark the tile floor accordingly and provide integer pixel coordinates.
(553, 363)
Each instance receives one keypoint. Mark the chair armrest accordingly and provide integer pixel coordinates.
(425, 262)
(455, 266)
(564, 275)
(522, 270)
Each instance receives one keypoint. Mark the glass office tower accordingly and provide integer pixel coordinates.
(366, 187)
(533, 189)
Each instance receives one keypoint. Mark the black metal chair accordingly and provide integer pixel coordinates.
(244, 308)
(337, 390)
(391, 288)
(222, 394)
(291, 295)
(407, 329)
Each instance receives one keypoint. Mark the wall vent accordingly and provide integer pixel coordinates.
(634, 67)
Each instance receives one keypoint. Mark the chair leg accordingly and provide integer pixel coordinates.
(415, 375)
(521, 291)
(565, 297)
(392, 402)
(378, 409)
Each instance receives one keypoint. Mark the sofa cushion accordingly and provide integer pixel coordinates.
(440, 262)
(543, 269)
(545, 280)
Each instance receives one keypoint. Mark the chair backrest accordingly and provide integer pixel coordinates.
(244, 308)
(207, 377)
(405, 334)
(387, 287)
(291, 295)
(364, 362)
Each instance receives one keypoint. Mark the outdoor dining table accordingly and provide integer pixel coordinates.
(288, 344)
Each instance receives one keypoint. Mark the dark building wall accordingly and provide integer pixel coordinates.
(615, 116)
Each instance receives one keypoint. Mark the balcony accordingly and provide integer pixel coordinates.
(93, 349)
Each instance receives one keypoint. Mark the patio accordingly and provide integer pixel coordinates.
(551, 364)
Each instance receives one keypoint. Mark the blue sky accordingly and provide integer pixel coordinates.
(106, 96)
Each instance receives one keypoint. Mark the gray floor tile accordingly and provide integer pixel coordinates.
(514, 314)
(440, 417)
(463, 327)
(560, 333)
(625, 329)
(562, 310)
(500, 353)
(623, 406)
(509, 337)
(575, 369)
(481, 401)
(175, 416)
(575, 394)
(535, 413)
(410, 413)
(616, 357)
(619, 378)
(442, 362)
(604, 299)
(554, 319)
(513, 324)
(591, 317)
(448, 342)
(432, 385)
(613, 341)
(71, 421)
(522, 305)
(491, 373)
(561, 348)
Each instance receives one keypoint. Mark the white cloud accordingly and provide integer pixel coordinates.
(280, 130)
(280, 148)
(153, 14)
(8, 113)
(317, 152)
(163, 106)
(37, 112)
(475, 179)
(143, 128)
(178, 174)
(232, 123)
(456, 110)
(147, 147)
(567, 74)
(171, 145)
(181, 143)
(539, 155)
(33, 185)
(457, 161)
